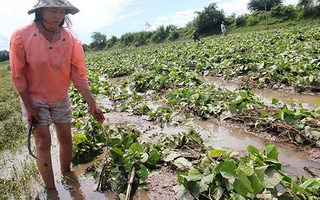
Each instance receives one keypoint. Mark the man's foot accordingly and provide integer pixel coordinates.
(52, 193)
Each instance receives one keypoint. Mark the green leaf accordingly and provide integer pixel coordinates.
(239, 188)
(173, 155)
(275, 101)
(272, 151)
(300, 127)
(217, 153)
(122, 196)
(182, 193)
(154, 158)
(311, 183)
(144, 157)
(116, 154)
(235, 196)
(253, 150)
(181, 177)
(263, 113)
(136, 147)
(217, 193)
(205, 182)
(182, 163)
(271, 179)
(259, 172)
(243, 178)
(143, 173)
(128, 164)
(194, 175)
(248, 170)
(194, 188)
(228, 169)
(256, 184)
(316, 134)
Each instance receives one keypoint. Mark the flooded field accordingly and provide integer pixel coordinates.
(82, 185)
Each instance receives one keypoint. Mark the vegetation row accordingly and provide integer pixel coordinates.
(165, 84)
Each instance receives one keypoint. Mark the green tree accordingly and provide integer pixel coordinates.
(172, 32)
(208, 19)
(306, 3)
(260, 5)
(127, 39)
(141, 38)
(112, 41)
(99, 40)
(283, 12)
(4, 55)
(86, 47)
(159, 35)
(309, 8)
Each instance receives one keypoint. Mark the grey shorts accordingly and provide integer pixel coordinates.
(59, 112)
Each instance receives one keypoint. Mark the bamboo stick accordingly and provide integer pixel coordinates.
(130, 183)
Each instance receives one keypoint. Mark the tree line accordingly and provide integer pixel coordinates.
(207, 22)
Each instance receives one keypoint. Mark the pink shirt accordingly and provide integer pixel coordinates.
(46, 70)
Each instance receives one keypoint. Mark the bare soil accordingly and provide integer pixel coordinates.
(160, 185)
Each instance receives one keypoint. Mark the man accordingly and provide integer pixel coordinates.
(224, 28)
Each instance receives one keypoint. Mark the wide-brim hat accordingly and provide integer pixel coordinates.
(71, 9)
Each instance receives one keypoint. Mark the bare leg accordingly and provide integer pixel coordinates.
(65, 150)
(43, 150)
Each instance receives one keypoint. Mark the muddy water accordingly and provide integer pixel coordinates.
(287, 98)
(312, 100)
(75, 185)
(237, 140)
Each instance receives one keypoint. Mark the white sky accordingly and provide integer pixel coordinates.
(116, 17)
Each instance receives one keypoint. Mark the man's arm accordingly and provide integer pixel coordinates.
(95, 110)
(32, 114)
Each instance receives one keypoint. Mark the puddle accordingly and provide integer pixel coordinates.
(268, 94)
(236, 139)
(287, 98)
(76, 186)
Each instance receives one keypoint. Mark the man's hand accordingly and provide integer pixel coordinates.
(32, 116)
(97, 113)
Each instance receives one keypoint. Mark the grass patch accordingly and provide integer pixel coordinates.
(12, 129)
(13, 134)
(16, 184)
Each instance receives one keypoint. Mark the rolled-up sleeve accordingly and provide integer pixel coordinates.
(78, 67)
(18, 62)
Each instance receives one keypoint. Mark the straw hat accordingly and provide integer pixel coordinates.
(56, 4)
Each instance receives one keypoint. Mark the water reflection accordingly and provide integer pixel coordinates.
(287, 98)
(236, 139)
(72, 185)
(312, 100)
(71, 182)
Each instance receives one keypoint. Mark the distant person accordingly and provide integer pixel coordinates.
(224, 28)
(195, 35)
(45, 57)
